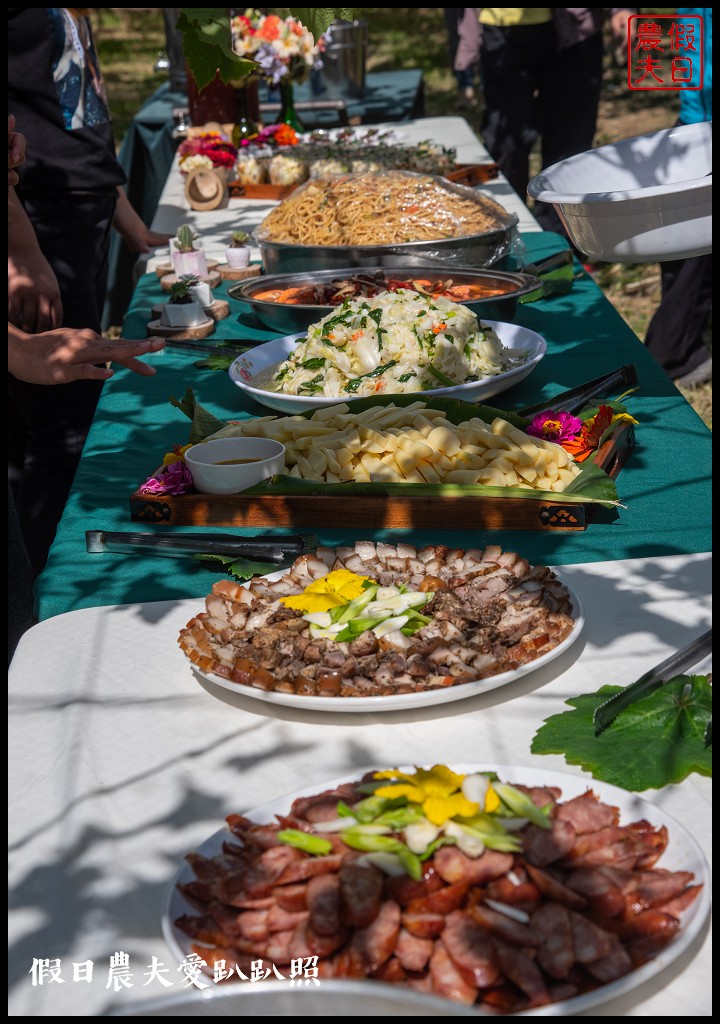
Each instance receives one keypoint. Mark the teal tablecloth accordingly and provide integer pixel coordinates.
(665, 486)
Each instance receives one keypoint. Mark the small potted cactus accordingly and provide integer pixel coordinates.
(237, 253)
(187, 257)
(182, 310)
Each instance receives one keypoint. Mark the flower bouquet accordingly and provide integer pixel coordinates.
(208, 149)
(282, 48)
(580, 435)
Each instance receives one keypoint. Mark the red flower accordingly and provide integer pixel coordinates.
(588, 440)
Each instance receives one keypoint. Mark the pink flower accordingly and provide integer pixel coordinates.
(554, 426)
(174, 479)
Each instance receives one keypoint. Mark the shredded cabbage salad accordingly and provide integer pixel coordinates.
(395, 343)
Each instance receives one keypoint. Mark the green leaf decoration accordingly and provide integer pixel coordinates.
(318, 19)
(555, 282)
(455, 410)
(243, 568)
(591, 486)
(207, 45)
(217, 361)
(295, 485)
(658, 741)
(589, 411)
(207, 39)
(204, 423)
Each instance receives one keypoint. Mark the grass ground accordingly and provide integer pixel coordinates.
(130, 39)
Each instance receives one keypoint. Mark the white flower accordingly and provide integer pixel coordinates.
(194, 160)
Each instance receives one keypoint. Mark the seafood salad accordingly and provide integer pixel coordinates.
(502, 896)
(393, 343)
(379, 619)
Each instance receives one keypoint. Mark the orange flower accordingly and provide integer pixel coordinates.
(580, 446)
(286, 136)
(588, 440)
(270, 28)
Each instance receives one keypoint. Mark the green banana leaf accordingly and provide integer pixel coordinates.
(592, 484)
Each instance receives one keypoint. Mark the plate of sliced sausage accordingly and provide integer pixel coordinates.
(603, 898)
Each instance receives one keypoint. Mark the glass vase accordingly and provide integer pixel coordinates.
(216, 102)
(248, 112)
(288, 114)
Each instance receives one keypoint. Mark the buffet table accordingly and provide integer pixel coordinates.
(665, 487)
(122, 761)
(216, 226)
(148, 149)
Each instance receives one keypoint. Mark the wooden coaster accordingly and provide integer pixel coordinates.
(157, 330)
(162, 269)
(227, 273)
(220, 310)
(168, 280)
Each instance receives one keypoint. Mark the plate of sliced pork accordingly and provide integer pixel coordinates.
(511, 890)
(382, 627)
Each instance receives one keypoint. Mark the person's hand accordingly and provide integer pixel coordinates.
(68, 354)
(16, 152)
(142, 239)
(136, 234)
(34, 302)
(619, 23)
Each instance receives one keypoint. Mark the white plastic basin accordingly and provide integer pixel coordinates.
(642, 200)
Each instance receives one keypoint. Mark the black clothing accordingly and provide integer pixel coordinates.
(532, 89)
(69, 188)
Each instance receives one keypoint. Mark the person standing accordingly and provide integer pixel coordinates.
(463, 31)
(678, 332)
(541, 69)
(69, 198)
(52, 357)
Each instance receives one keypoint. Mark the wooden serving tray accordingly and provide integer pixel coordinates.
(464, 174)
(471, 512)
(239, 189)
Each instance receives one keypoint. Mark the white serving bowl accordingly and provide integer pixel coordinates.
(332, 997)
(271, 353)
(211, 477)
(642, 200)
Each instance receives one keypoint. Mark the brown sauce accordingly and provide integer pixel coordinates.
(236, 462)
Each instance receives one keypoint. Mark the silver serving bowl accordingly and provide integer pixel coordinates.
(476, 251)
(290, 319)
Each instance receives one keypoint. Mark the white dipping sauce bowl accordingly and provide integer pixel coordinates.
(211, 478)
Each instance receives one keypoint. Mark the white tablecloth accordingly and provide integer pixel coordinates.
(216, 226)
(121, 762)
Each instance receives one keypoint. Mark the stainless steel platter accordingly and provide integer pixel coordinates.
(471, 251)
(290, 319)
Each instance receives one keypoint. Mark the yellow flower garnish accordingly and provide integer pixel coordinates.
(331, 591)
(436, 790)
(176, 455)
(492, 801)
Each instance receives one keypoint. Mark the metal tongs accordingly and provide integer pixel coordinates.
(576, 398)
(606, 713)
(262, 549)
